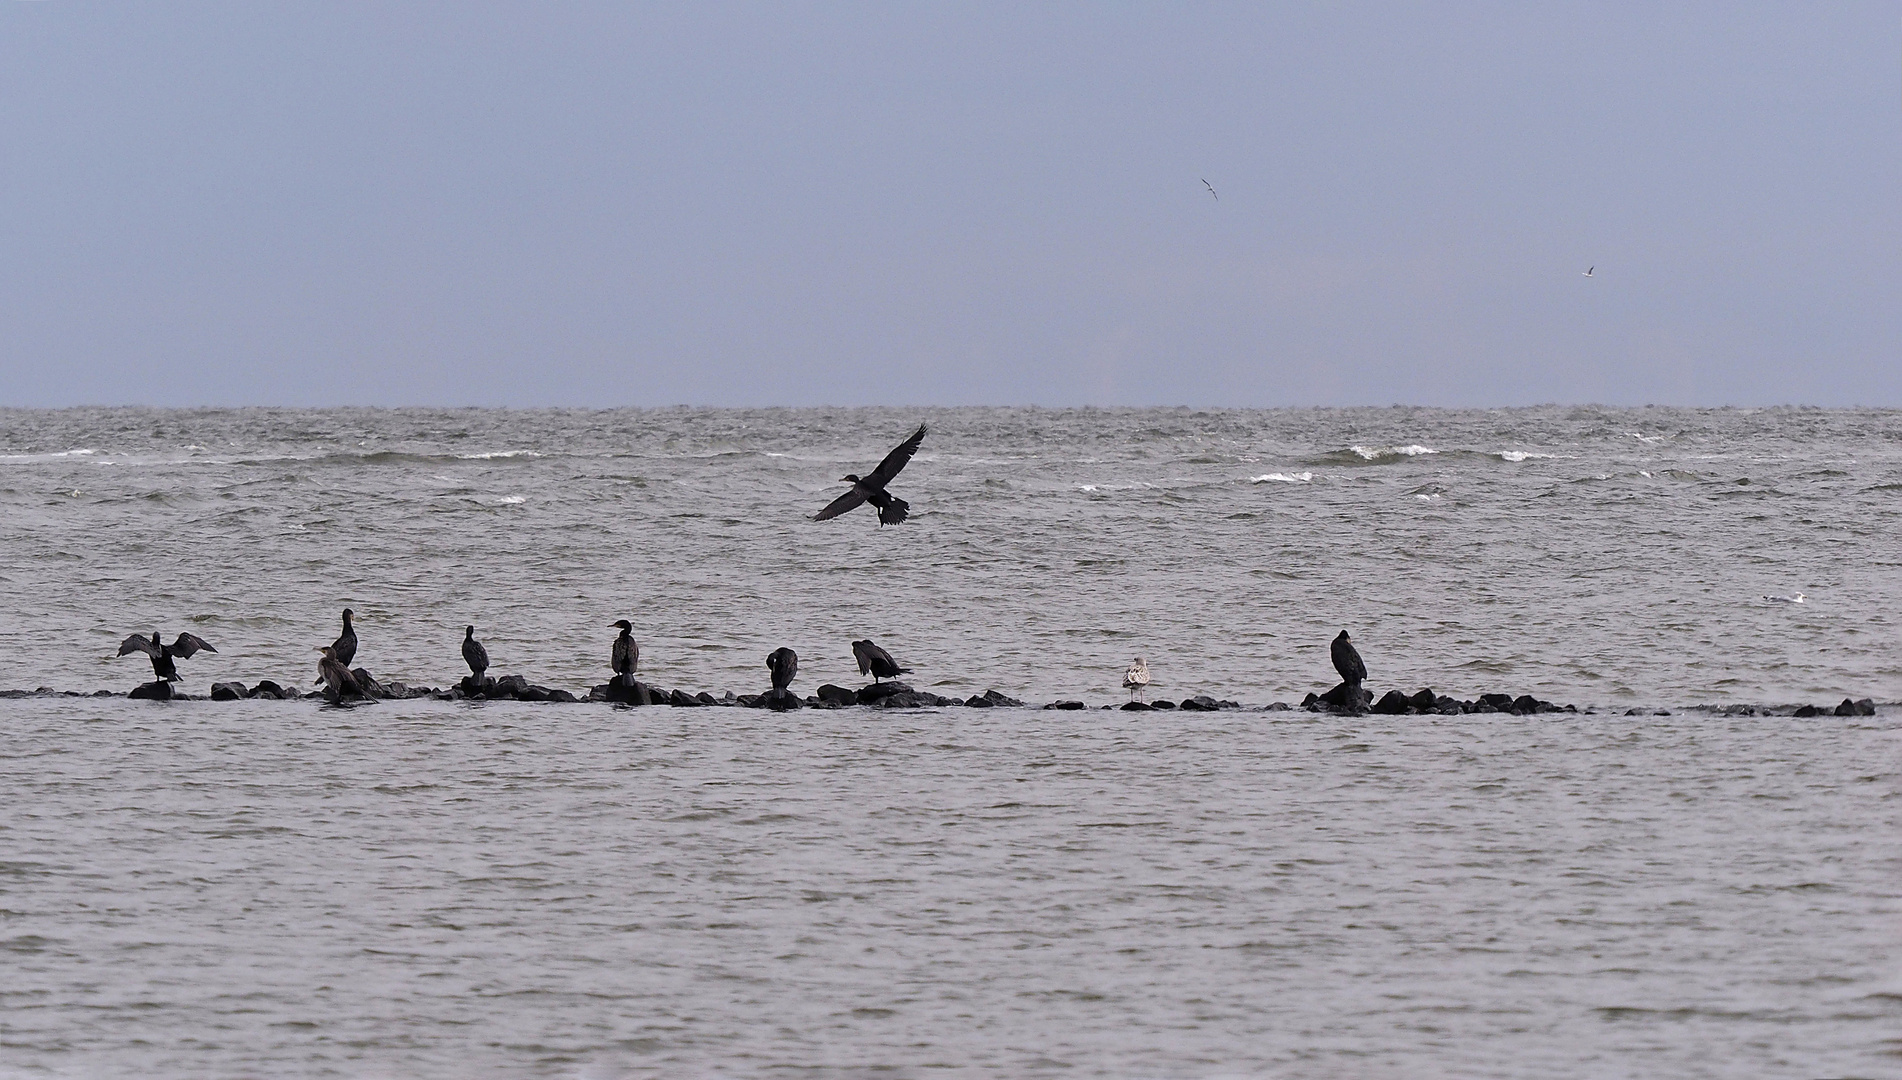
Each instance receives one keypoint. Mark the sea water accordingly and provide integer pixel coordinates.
(263, 888)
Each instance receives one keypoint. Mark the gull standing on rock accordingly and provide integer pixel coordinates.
(162, 654)
(891, 509)
(1136, 678)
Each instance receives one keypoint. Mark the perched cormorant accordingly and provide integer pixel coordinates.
(1136, 679)
(162, 654)
(473, 653)
(345, 646)
(891, 508)
(626, 658)
(337, 678)
(784, 664)
(1347, 660)
(875, 661)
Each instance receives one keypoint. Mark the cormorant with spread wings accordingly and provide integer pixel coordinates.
(871, 489)
(162, 654)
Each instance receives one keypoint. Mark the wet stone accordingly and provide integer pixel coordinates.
(838, 695)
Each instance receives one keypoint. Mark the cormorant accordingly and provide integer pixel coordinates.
(784, 664)
(474, 654)
(626, 658)
(162, 654)
(338, 681)
(1347, 660)
(346, 644)
(891, 508)
(1136, 679)
(875, 661)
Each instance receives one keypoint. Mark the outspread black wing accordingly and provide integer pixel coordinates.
(187, 644)
(848, 501)
(896, 461)
(139, 643)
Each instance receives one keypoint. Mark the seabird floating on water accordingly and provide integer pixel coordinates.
(891, 508)
(344, 649)
(473, 653)
(1136, 679)
(875, 661)
(1347, 660)
(162, 654)
(626, 658)
(784, 664)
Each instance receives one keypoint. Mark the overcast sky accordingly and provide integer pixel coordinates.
(612, 204)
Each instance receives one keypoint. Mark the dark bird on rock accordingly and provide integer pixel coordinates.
(784, 664)
(871, 489)
(1347, 660)
(626, 658)
(346, 643)
(337, 678)
(473, 653)
(876, 662)
(162, 654)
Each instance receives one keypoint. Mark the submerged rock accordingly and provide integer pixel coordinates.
(1065, 705)
(1865, 707)
(1002, 700)
(228, 691)
(1138, 706)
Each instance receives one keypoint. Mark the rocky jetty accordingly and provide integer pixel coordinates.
(1352, 700)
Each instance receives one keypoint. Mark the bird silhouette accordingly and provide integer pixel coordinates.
(163, 655)
(891, 509)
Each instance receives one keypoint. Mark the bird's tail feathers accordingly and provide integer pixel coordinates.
(894, 512)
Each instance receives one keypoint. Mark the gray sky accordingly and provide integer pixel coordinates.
(611, 204)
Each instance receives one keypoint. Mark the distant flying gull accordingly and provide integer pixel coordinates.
(1211, 188)
(1588, 271)
(891, 509)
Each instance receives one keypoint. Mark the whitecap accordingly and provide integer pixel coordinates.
(498, 454)
(1086, 487)
(1413, 450)
(1282, 478)
(1522, 455)
(1375, 453)
(511, 500)
(1646, 438)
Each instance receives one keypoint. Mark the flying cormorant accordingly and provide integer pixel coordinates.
(626, 658)
(473, 653)
(1136, 679)
(337, 679)
(1347, 660)
(891, 508)
(345, 646)
(876, 662)
(784, 664)
(162, 654)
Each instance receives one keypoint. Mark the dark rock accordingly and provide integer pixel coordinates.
(979, 701)
(747, 701)
(705, 698)
(1425, 702)
(561, 696)
(1280, 706)
(471, 685)
(1866, 707)
(1801, 710)
(152, 691)
(371, 688)
(1002, 700)
(1499, 702)
(271, 688)
(509, 686)
(1138, 706)
(1311, 703)
(869, 695)
(778, 700)
(682, 699)
(533, 692)
(838, 695)
(1393, 703)
(1640, 712)
(103, 693)
(1199, 703)
(1065, 705)
(1447, 705)
(625, 693)
(1526, 705)
(910, 699)
(1164, 706)
(1349, 698)
(228, 691)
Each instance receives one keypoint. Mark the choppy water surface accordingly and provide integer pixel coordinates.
(433, 889)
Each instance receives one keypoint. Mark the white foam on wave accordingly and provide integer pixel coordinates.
(511, 500)
(1086, 487)
(1282, 478)
(499, 454)
(1376, 452)
(80, 452)
(1523, 455)
(1643, 438)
